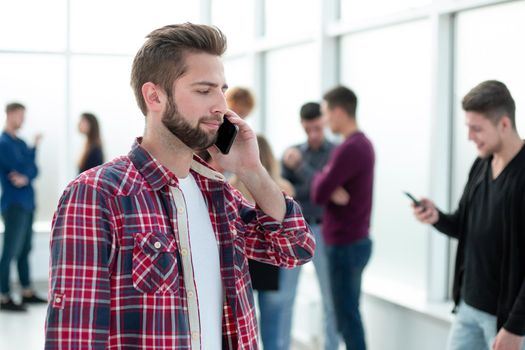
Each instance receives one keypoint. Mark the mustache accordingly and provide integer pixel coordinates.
(211, 119)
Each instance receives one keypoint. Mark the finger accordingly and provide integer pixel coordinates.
(214, 151)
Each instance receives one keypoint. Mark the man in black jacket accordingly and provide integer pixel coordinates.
(489, 281)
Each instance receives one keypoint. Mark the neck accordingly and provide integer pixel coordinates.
(10, 130)
(168, 150)
(510, 148)
(349, 129)
(315, 146)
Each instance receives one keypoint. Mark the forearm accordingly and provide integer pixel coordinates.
(448, 224)
(287, 244)
(265, 192)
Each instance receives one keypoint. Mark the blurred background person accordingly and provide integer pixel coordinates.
(241, 100)
(344, 187)
(489, 222)
(299, 164)
(92, 154)
(270, 282)
(17, 172)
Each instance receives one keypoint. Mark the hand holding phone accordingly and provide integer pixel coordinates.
(414, 200)
(226, 135)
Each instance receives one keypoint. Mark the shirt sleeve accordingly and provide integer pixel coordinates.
(450, 224)
(515, 323)
(25, 165)
(301, 179)
(286, 244)
(81, 248)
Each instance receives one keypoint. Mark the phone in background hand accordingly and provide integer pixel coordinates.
(226, 135)
(414, 200)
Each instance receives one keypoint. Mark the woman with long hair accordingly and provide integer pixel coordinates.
(92, 154)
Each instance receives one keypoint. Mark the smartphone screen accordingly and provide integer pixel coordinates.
(414, 200)
(226, 135)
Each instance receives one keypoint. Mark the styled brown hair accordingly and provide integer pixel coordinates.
(342, 97)
(492, 99)
(161, 60)
(13, 106)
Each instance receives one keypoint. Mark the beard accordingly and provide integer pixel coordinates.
(193, 137)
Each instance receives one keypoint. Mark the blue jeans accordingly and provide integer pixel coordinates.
(320, 260)
(346, 264)
(18, 233)
(276, 309)
(472, 329)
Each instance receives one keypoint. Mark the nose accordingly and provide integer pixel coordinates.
(220, 106)
(470, 135)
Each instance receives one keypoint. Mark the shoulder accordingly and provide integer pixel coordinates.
(118, 177)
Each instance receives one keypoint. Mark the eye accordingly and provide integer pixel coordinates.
(203, 92)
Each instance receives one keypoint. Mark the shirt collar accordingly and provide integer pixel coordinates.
(157, 175)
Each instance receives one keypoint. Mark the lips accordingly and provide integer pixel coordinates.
(213, 124)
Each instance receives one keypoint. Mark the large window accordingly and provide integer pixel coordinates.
(389, 69)
(38, 82)
(120, 26)
(290, 82)
(33, 25)
(359, 11)
(235, 19)
(59, 74)
(290, 18)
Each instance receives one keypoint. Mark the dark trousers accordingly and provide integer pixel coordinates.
(18, 233)
(346, 264)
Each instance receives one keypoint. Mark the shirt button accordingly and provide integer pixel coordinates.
(58, 300)
(234, 231)
(195, 335)
(157, 245)
(184, 252)
(190, 294)
(180, 210)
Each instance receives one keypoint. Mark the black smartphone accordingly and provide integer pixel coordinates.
(414, 200)
(226, 135)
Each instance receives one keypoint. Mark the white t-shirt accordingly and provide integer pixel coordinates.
(206, 264)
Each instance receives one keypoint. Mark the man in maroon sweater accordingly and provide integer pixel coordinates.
(344, 188)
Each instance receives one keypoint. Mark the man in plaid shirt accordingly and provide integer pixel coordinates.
(150, 250)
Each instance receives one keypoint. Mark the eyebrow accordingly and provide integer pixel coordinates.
(210, 84)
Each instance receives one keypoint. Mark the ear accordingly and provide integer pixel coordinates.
(154, 97)
(506, 124)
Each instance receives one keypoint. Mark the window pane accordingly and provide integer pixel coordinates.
(33, 25)
(120, 26)
(354, 10)
(101, 85)
(277, 20)
(236, 19)
(390, 72)
(286, 91)
(240, 72)
(38, 82)
(486, 49)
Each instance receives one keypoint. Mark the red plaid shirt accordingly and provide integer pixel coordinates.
(117, 277)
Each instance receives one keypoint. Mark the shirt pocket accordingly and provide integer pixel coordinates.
(155, 269)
